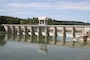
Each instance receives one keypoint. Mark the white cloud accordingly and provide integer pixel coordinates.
(23, 12)
(10, 0)
(9, 10)
(55, 5)
(15, 11)
(27, 5)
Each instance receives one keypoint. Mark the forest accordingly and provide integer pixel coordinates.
(34, 21)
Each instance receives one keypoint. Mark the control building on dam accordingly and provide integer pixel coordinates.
(44, 29)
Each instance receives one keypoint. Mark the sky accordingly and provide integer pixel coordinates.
(65, 10)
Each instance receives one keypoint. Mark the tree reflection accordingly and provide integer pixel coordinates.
(2, 41)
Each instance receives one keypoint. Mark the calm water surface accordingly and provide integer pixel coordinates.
(25, 47)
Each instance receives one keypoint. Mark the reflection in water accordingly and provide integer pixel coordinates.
(43, 48)
(43, 43)
(63, 40)
(2, 42)
(56, 40)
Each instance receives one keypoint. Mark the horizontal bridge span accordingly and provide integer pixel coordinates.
(47, 25)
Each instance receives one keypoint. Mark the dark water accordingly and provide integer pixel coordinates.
(25, 47)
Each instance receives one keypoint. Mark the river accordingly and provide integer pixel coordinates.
(26, 47)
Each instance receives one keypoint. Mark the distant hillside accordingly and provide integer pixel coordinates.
(70, 23)
(34, 20)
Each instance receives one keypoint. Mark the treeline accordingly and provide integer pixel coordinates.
(34, 21)
(15, 20)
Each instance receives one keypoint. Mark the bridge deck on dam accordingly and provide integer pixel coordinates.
(47, 25)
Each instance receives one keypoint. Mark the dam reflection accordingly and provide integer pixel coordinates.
(55, 40)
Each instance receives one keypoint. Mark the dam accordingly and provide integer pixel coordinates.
(49, 30)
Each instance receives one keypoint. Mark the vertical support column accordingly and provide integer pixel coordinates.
(64, 35)
(32, 30)
(23, 30)
(19, 30)
(46, 31)
(8, 29)
(64, 32)
(38, 31)
(26, 30)
(73, 32)
(73, 36)
(55, 31)
(12, 30)
(15, 29)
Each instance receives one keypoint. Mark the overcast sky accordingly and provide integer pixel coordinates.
(73, 10)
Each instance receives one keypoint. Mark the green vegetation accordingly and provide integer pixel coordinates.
(34, 21)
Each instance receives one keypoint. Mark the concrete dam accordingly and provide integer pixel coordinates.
(44, 29)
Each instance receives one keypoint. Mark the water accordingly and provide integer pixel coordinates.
(25, 47)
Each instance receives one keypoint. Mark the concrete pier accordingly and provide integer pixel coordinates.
(73, 32)
(64, 31)
(31, 28)
(46, 31)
